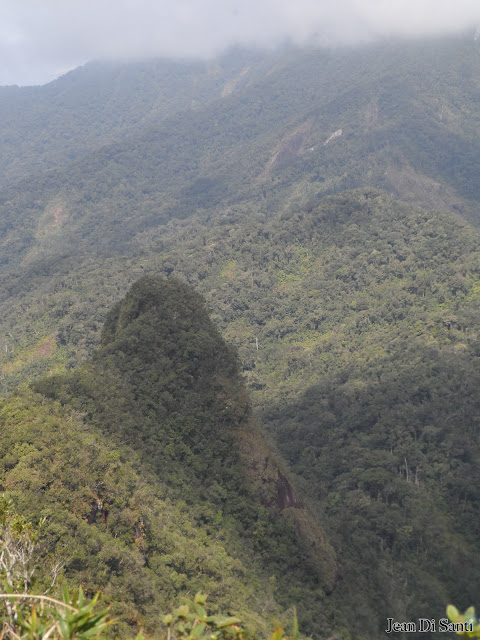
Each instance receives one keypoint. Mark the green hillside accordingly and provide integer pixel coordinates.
(49, 126)
(408, 119)
(408, 115)
(141, 466)
(357, 326)
(325, 204)
(357, 323)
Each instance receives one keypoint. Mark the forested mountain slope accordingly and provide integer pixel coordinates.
(48, 126)
(402, 117)
(142, 464)
(328, 210)
(357, 326)
(357, 323)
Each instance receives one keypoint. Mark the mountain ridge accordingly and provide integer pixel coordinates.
(162, 403)
(344, 268)
(220, 156)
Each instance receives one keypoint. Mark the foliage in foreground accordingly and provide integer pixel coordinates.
(34, 616)
(38, 617)
(193, 623)
(466, 623)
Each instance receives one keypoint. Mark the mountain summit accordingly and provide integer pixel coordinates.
(173, 485)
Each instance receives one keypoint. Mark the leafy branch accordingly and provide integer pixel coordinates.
(193, 623)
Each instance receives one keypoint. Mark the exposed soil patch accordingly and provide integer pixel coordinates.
(288, 148)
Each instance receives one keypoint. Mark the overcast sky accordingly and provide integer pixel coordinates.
(41, 39)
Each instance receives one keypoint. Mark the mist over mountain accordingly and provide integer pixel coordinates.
(325, 204)
(41, 42)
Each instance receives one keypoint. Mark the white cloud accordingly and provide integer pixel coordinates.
(40, 37)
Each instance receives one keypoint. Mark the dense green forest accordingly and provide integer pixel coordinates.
(45, 127)
(136, 463)
(265, 148)
(325, 204)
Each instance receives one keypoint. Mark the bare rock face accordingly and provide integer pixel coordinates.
(277, 490)
(286, 495)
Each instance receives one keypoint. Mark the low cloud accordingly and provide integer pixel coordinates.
(40, 40)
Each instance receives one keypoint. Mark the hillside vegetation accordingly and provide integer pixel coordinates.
(48, 126)
(325, 204)
(136, 462)
(408, 118)
(371, 306)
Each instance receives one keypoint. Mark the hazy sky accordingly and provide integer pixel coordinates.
(41, 39)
